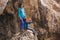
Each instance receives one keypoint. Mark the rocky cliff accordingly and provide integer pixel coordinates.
(45, 16)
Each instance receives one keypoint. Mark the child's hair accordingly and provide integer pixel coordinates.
(20, 5)
(28, 19)
(20, 2)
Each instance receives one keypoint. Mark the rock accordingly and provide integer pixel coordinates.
(49, 17)
(53, 12)
(3, 4)
(27, 35)
(44, 14)
(8, 26)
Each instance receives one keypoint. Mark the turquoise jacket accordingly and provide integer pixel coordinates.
(21, 13)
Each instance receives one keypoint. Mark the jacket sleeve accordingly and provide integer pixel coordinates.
(23, 11)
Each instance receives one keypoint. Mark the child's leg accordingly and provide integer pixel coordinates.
(27, 25)
(21, 24)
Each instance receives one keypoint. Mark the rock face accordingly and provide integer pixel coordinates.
(52, 14)
(50, 17)
(8, 23)
(8, 26)
(45, 16)
(2, 5)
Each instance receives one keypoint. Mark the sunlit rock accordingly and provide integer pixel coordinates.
(3, 4)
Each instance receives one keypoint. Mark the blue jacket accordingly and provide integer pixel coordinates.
(21, 13)
(27, 24)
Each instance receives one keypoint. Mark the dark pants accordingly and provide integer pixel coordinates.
(22, 24)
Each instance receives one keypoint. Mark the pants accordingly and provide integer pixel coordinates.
(27, 25)
(22, 24)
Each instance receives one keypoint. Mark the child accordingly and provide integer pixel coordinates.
(21, 14)
(28, 22)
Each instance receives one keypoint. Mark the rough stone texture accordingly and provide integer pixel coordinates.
(2, 5)
(45, 15)
(49, 14)
(8, 23)
(46, 19)
(8, 26)
(27, 35)
(52, 14)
